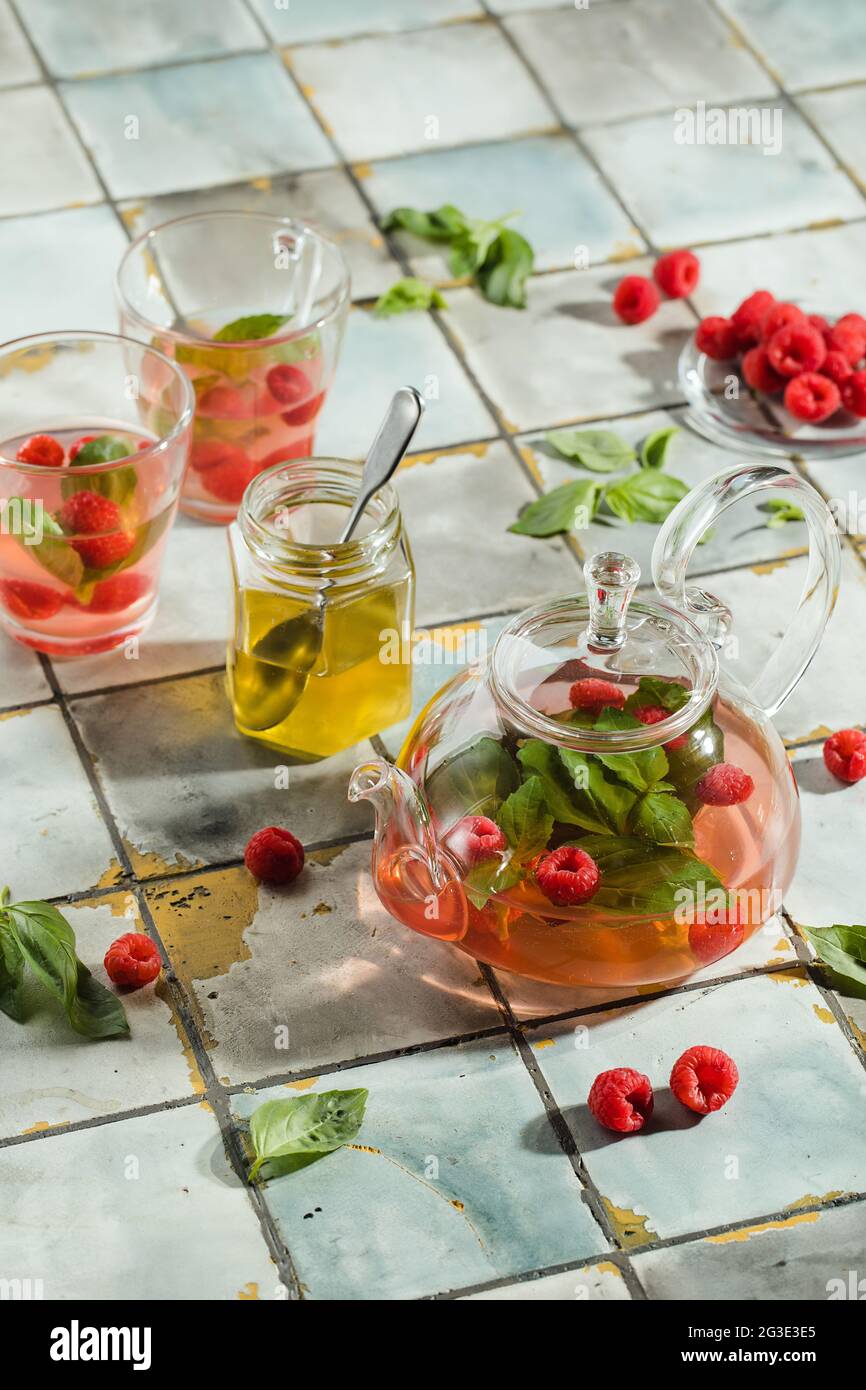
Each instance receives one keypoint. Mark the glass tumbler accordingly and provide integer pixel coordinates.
(95, 432)
(254, 308)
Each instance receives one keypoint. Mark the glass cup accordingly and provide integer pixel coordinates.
(254, 307)
(95, 432)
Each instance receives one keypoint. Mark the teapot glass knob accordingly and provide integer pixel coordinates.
(611, 579)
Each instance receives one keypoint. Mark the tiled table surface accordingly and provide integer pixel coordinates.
(128, 798)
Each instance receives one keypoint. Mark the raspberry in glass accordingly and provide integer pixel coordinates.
(568, 876)
(812, 397)
(796, 348)
(717, 337)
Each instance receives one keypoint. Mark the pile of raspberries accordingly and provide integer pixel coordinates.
(817, 366)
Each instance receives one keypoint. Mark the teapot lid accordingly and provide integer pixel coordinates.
(655, 655)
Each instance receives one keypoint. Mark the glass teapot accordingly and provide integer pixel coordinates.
(603, 801)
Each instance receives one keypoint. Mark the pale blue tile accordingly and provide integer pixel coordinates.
(592, 1284)
(813, 1256)
(156, 1198)
(59, 271)
(416, 91)
(378, 356)
(446, 1191)
(808, 45)
(17, 63)
(562, 204)
(603, 63)
(21, 676)
(50, 170)
(304, 21)
(682, 193)
(322, 957)
(198, 124)
(827, 889)
(566, 357)
(325, 197)
(457, 508)
(794, 1129)
(223, 786)
(52, 1076)
(52, 838)
(839, 117)
(741, 537)
(96, 35)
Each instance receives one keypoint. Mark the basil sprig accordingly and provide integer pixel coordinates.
(407, 296)
(491, 253)
(35, 934)
(646, 494)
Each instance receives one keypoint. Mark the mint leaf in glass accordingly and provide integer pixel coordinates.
(569, 507)
(105, 448)
(525, 819)
(474, 781)
(602, 451)
(640, 878)
(311, 1124)
(648, 495)
(407, 296)
(598, 804)
(639, 770)
(251, 328)
(653, 450)
(663, 818)
(655, 690)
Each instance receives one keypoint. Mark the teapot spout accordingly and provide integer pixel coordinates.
(402, 816)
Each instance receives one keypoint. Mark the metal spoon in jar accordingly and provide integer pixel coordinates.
(286, 655)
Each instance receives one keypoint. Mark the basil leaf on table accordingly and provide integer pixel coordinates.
(654, 449)
(472, 245)
(251, 328)
(843, 949)
(443, 224)
(11, 975)
(602, 451)
(407, 296)
(313, 1124)
(647, 495)
(47, 942)
(644, 879)
(502, 278)
(559, 510)
(474, 781)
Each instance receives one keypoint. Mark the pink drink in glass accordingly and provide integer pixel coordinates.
(85, 513)
(253, 308)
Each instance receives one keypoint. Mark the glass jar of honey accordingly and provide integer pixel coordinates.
(318, 657)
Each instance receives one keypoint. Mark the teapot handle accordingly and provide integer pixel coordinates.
(699, 510)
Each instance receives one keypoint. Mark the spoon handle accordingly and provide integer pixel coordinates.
(393, 439)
